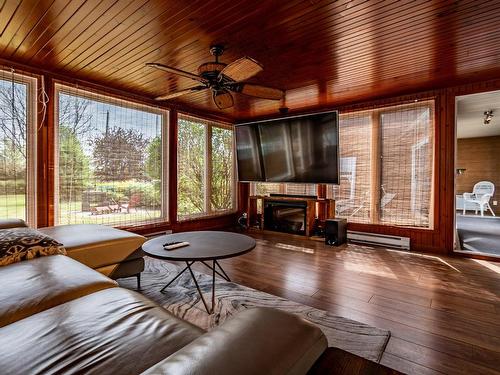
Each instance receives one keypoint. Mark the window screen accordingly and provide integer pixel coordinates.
(110, 160)
(17, 146)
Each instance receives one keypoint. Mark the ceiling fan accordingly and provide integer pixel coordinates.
(223, 79)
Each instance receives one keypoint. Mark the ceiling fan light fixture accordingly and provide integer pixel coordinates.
(210, 70)
(223, 99)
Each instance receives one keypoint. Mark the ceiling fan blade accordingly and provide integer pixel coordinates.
(180, 93)
(241, 69)
(260, 91)
(179, 72)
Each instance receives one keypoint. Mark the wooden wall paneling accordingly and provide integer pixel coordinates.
(321, 190)
(208, 169)
(447, 172)
(243, 193)
(481, 159)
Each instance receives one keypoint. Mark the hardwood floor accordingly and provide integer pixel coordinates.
(443, 312)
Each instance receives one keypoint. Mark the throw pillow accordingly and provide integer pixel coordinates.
(17, 244)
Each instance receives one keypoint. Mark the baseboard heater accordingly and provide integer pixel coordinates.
(379, 239)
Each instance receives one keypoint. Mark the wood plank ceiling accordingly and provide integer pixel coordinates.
(322, 53)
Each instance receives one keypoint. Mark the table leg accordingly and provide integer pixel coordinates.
(213, 288)
(198, 287)
(177, 276)
(223, 274)
(222, 270)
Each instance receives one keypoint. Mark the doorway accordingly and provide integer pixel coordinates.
(477, 177)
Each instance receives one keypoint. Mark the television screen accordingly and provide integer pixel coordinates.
(302, 149)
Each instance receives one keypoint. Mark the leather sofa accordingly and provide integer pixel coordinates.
(58, 316)
(113, 252)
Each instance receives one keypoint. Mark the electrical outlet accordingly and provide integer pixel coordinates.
(495, 203)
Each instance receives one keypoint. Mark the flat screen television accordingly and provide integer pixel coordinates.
(299, 149)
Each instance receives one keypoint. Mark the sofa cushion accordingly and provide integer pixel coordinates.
(97, 245)
(12, 223)
(113, 331)
(17, 244)
(39, 284)
(256, 341)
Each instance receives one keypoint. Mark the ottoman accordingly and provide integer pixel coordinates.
(113, 252)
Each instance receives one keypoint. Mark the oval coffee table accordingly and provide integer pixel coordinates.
(204, 246)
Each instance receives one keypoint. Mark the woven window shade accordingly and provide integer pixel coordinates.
(352, 195)
(17, 145)
(266, 188)
(387, 157)
(407, 165)
(110, 157)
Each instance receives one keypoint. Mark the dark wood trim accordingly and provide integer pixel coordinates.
(45, 155)
(375, 167)
(243, 194)
(41, 160)
(211, 223)
(481, 256)
(172, 166)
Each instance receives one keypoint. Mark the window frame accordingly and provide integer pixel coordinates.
(376, 158)
(427, 104)
(87, 93)
(32, 128)
(207, 183)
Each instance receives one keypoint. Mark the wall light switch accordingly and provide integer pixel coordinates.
(495, 203)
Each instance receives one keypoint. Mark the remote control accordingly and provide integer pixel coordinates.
(174, 245)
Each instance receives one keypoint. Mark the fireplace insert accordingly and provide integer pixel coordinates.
(288, 217)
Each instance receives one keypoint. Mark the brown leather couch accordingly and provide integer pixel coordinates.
(58, 316)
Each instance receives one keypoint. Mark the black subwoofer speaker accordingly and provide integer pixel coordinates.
(335, 232)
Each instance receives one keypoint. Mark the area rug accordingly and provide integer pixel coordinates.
(182, 299)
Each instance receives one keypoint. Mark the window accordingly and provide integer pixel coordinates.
(386, 166)
(406, 166)
(17, 146)
(205, 168)
(266, 188)
(111, 160)
(352, 195)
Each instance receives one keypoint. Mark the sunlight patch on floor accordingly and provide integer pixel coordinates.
(300, 249)
(490, 266)
(371, 270)
(426, 256)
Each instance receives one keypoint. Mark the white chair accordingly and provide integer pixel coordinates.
(480, 197)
